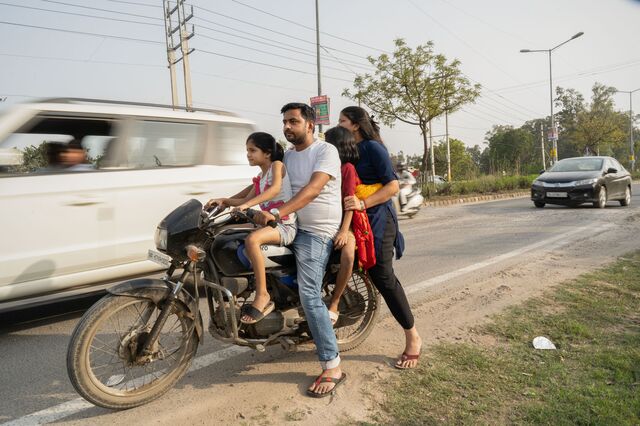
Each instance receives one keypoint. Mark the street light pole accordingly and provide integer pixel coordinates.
(632, 157)
(553, 131)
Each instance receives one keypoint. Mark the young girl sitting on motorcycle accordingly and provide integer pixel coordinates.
(355, 230)
(270, 189)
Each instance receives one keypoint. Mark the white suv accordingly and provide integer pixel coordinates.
(71, 230)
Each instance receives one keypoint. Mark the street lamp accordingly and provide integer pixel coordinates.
(632, 157)
(554, 133)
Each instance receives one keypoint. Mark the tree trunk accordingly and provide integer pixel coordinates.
(425, 145)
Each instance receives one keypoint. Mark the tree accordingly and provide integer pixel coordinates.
(594, 128)
(510, 150)
(462, 164)
(414, 87)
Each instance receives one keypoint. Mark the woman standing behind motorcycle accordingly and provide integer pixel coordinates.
(270, 189)
(376, 171)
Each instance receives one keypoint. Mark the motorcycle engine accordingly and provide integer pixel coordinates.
(272, 323)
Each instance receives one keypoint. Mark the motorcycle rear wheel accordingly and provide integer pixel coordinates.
(361, 288)
(101, 360)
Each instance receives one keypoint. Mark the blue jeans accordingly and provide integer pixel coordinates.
(312, 254)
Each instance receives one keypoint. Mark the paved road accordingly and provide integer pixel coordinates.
(439, 240)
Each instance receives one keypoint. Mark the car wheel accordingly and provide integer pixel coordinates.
(602, 198)
(538, 204)
(627, 197)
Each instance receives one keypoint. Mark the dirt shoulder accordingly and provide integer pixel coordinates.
(269, 388)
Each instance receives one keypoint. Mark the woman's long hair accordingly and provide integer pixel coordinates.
(267, 144)
(369, 128)
(344, 141)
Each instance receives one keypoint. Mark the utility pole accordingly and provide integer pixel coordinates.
(544, 163)
(432, 154)
(318, 56)
(170, 30)
(632, 158)
(446, 124)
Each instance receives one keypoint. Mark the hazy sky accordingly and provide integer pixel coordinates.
(254, 56)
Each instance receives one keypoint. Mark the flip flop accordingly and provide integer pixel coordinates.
(326, 379)
(255, 314)
(334, 317)
(404, 357)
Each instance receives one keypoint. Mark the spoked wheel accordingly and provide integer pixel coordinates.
(359, 307)
(104, 361)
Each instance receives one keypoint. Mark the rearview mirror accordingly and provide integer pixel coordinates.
(612, 170)
(542, 171)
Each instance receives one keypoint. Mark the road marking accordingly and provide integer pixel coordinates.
(550, 244)
(77, 405)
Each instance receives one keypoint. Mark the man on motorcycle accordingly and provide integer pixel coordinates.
(314, 172)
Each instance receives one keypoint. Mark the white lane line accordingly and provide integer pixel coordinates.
(550, 244)
(77, 405)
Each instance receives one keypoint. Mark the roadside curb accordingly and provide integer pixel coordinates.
(476, 199)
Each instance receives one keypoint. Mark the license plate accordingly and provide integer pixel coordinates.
(159, 258)
(557, 194)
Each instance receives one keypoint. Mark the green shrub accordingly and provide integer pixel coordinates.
(483, 185)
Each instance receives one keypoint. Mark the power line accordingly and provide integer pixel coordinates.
(103, 10)
(280, 45)
(79, 14)
(51, 58)
(134, 3)
(461, 40)
(273, 31)
(82, 32)
(308, 28)
(267, 65)
(272, 54)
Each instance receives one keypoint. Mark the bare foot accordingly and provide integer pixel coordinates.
(326, 382)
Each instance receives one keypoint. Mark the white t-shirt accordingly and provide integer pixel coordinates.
(322, 215)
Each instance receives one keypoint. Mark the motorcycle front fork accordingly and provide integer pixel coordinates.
(165, 309)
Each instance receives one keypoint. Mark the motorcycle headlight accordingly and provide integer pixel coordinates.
(160, 239)
(586, 181)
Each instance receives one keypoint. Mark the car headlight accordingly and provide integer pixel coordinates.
(160, 239)
(586, 181)
(538, 182)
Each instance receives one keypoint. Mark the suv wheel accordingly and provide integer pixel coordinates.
(538, 204)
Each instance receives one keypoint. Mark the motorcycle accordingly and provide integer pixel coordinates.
(135, 343)
(412, 195)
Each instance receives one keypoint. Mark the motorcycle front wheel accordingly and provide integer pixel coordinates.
(103, 360)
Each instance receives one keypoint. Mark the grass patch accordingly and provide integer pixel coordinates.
(592, 378)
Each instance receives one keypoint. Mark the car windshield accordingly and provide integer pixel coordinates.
(578, 165)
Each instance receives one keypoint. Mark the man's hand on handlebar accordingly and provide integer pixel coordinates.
(264, 218)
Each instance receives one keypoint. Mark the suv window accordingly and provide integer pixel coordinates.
(41, 144)
(158, 144)
(230, 143)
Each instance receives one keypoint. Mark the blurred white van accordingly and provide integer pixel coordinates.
(71, 230)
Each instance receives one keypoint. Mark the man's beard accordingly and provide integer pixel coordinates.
(296, 140)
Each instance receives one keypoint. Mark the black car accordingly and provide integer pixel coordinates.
(578, 180)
